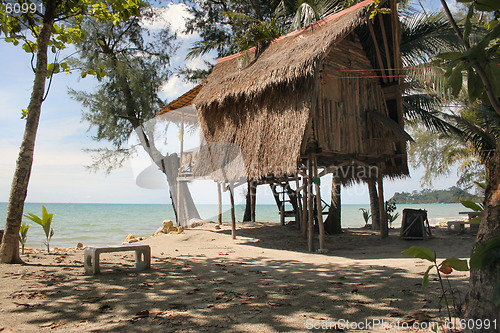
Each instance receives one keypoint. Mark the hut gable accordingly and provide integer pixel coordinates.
(285, 61)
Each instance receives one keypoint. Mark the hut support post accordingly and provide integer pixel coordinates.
(384, 231)
(219, 200)
(233, 216)
(310, 205)
(321, 226)
(253, 198)
(304, 220)
(298, 216)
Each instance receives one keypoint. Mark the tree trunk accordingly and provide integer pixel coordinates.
(482, 282)
(181, 197)
(375, 211)
(249, 214)
(333, 223)
(384, 228)
(9, 250)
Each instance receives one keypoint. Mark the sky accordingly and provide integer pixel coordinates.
(59, 171)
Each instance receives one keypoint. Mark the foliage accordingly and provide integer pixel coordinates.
(23, 235)
(480, 58)
(451, 195)
(485, 255)
(445, 267)
(45, 221)
(366, 214)
(390, 208)
(136, 61)
(24, 29)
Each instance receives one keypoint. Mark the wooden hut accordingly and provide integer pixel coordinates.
(328, 96)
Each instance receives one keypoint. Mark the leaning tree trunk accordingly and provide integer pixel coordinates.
(179, 191)
(9, 250)
(483, 281)
(374, 204)
(333, 224)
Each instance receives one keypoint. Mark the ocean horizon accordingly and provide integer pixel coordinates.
(98, 224)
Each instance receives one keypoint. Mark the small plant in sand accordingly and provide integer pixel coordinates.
(45, 222)
(23, 235)
(449, 296)
(390, 207)
(366, 215)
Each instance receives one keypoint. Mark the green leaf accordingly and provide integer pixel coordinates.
(475, 86)
(455, 80)
(34, 218)
(450, 55)
(468, 23)
(420, 252)
(471, 205)
(456, 264)
(476, 219)
(425, 280)
(485, 254)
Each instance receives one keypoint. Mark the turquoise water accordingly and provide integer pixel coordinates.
(109, 224)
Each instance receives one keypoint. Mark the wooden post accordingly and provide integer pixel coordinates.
(322, 247)
(298, 216)
(253, 199)
(310, 205)
(304, 220)
(219, 199)
(233, 216)
(384, 231)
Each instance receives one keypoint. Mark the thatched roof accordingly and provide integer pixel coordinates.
(286, 59)
(268, 106)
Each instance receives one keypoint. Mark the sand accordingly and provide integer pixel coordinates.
(204, 281)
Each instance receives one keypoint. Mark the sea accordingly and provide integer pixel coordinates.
(109, 224)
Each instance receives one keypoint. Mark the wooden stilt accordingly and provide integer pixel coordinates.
(304, 220)
(321, 226)
(253, 198)
(233, 216)
(310, 205)
(219, 199)
(298, 216)
(384, 231)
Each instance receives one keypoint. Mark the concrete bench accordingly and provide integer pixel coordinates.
(460, 225)
(142, 256)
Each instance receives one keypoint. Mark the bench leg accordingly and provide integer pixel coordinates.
(143, 259)
(91, 262)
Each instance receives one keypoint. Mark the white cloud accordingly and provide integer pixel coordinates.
(175, 16)
(175, 87)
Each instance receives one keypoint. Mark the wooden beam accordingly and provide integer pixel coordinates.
(386, 46)
(377, 50)
(321, 226)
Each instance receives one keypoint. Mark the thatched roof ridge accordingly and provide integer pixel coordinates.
(285, 61)
(182, 101)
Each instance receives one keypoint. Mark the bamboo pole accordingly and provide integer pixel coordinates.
(384, 231)
(321, 226)
(219, 200)
(233, 216)
(310, 206)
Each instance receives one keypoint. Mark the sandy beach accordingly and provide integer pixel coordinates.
(204, 281)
